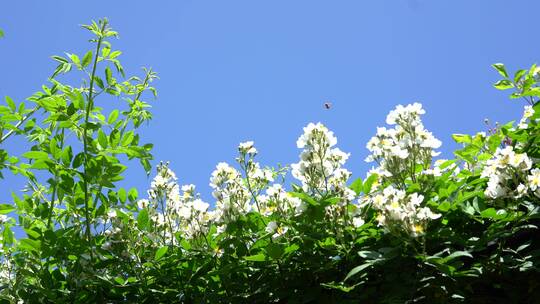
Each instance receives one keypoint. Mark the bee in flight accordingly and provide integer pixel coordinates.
(327, 105)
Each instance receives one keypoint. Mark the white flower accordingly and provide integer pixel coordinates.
(3, 218)
(111, 214)
(218, 252)
(316, 132)
(401, 153)
(534, 179)
(280, 231)
(426, 213)
(271, 227)
(190, 188)
(298, 205)
(357, 222)
(521, 191)
(494, 188)
(401, 113)
(143, 203)
(416, 199)
(247, 147)
(184, 212)
(521, 161)
(200, 206)
(528, 112)
(159, 181)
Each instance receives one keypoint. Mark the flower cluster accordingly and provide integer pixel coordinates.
(399, 150)
(172, 212)
(403, 153)
(164, 185)
(528, 112)
(320, 167)
(232, 197)
(277, 200)
(507, 172)
(115, 236)
(256, 178)
(194, 218)
(6, 272)
(401, 212)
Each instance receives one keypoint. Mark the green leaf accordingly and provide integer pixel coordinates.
(60, 59)
(501, 69)
(492, 213)
(357, 186)
(462, 138)
(108, 75)
(112, 117)
(115, 54)
(519, 74)
(78, 160)
(122, 195)
(143, 219)
(133, 194)
(99, 82)
(292, 248)
(275, 251)
(357, 269)
(86, 59)
(75, 59)
(503, 84)
(457, 254)
(105, 52)
(119, 280)
(532, 92)
(72, 257)
(161, 252)
(36, 155)
(11, 103)
(371, 255)
(369, 183)
(67, 155)
(256, 258)
(339, 286)
(6, 208)
(30, 245)
(147, 166)
(102, 139)
(306, 198)
(8, 235)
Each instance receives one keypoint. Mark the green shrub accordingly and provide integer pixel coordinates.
(416, 229)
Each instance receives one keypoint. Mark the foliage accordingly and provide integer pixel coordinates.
(414, 230)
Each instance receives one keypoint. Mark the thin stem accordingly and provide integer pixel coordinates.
(55, 187)
(8, 134)
(250, 189)
(89, 107)
(145, 83)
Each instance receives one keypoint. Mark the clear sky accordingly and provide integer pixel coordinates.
(261, 70)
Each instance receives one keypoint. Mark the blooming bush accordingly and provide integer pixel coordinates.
(415, 229)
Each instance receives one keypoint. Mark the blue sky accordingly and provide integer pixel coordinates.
(232, 70)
